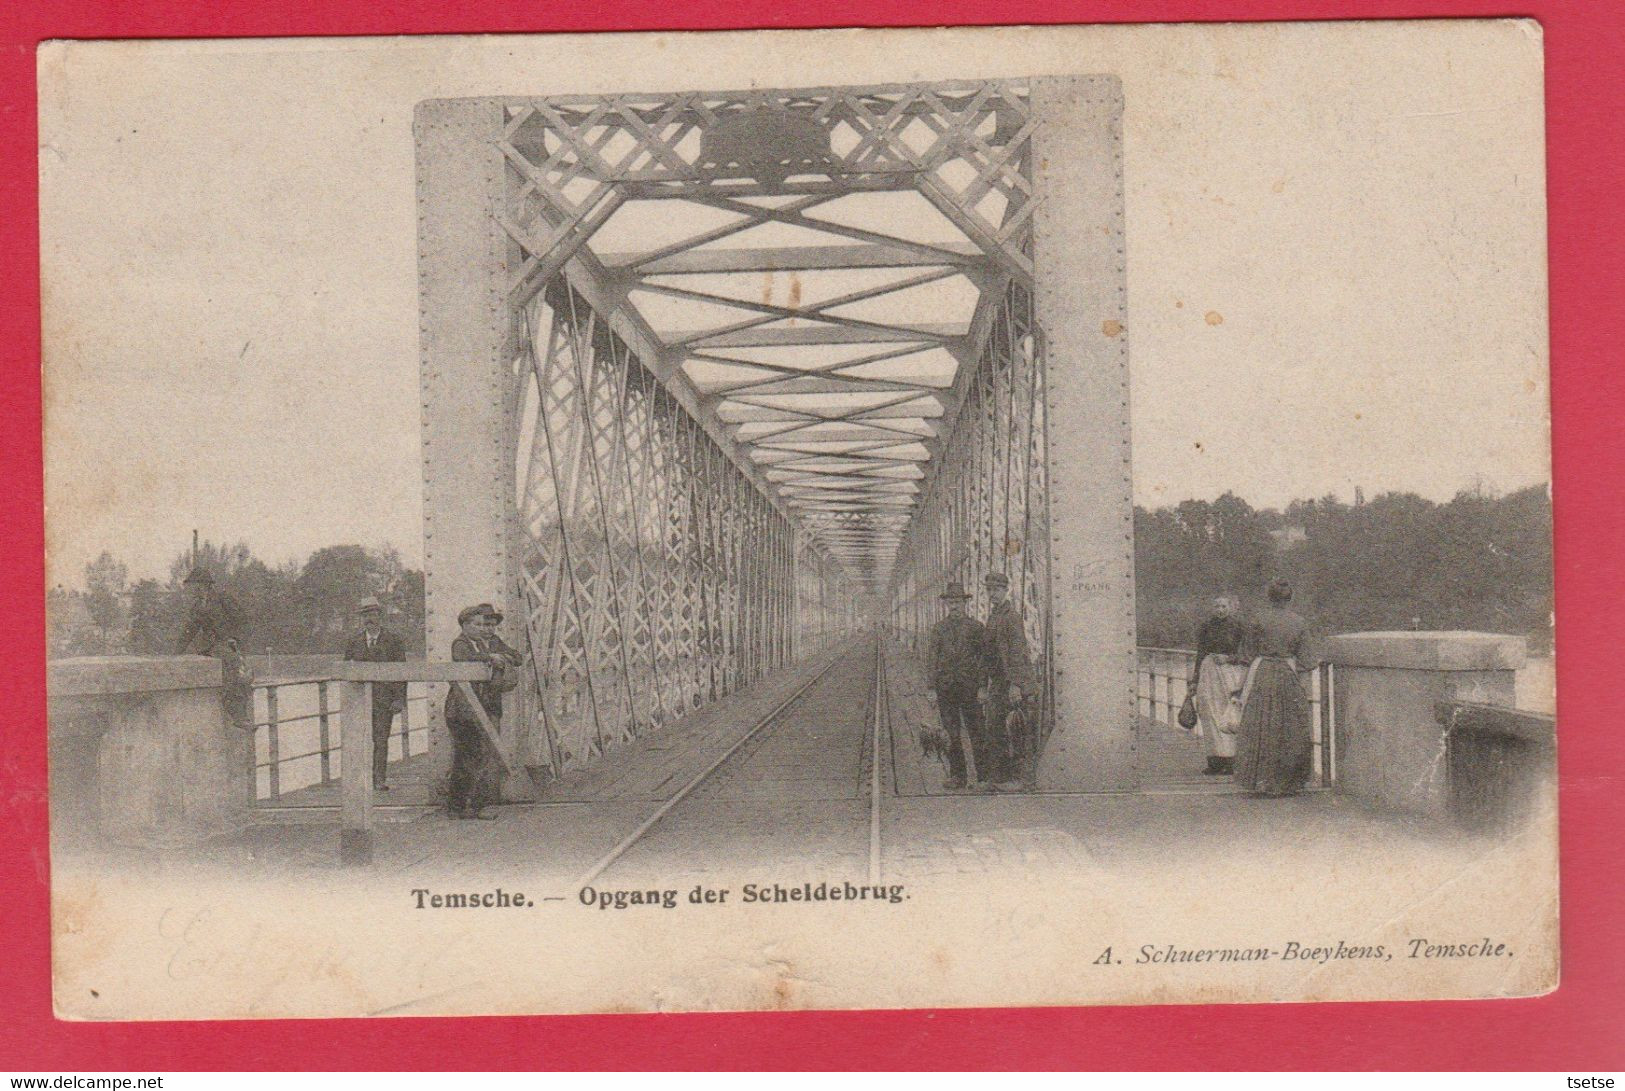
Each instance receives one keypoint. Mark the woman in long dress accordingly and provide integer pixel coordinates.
(1274, 747)
(1221, 670)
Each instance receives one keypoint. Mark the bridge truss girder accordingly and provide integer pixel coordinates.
(659, 535)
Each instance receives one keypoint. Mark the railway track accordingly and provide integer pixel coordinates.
(805, 781)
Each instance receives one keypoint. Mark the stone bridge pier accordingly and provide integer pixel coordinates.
(1426, 725)
(141, 753)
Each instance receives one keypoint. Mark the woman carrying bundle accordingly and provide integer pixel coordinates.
(1221, 670)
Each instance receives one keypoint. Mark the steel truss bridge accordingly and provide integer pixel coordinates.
(711, 380)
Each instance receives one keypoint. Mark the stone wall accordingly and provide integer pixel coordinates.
(141, 752)
(1391, 750)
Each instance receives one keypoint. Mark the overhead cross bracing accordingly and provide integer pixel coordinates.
(709, 379)
(814, 273)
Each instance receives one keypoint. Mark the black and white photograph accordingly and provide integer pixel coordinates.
(798, 519)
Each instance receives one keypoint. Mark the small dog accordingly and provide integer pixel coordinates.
(934, 743)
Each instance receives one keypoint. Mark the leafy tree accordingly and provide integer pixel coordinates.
(157, 613)
(408, 601)
(222, 561)
(104, 598)
(64, 630)
(290, 608)
(333, 580)
(1478, 562)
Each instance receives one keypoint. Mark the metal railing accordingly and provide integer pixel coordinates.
(1165, 679)
(302, 714)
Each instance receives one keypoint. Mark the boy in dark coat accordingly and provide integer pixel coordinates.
(1010, 681)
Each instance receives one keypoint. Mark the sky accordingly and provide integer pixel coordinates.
(1335, 247)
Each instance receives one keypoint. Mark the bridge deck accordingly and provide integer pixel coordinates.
(648, 768)
(651, 768)
(791, 798)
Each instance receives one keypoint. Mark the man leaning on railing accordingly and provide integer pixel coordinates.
(214, 626)
(473, 762)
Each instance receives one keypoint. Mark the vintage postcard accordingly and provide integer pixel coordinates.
(840, 519)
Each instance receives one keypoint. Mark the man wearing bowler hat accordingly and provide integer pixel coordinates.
(472, 760)
(957, 667)
(1010, 681)
(376, 644)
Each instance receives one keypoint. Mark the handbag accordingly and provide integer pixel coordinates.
(1187, 713)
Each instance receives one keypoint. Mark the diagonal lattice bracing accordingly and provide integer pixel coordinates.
(987, 508)
(656, 577)
(963, 145)
(780, 360)
(802, 185)
(777, 356)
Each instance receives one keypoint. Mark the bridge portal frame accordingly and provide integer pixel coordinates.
(502, 225)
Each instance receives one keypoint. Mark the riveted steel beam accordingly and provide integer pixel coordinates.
(795, 258)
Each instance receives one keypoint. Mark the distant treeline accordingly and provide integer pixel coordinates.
(1479, 562)
(291, 609)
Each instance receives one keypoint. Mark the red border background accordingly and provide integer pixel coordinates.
(1577, 1027)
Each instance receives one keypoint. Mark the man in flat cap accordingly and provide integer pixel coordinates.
(957, 669)
(472, 762)
(376, 644)
(214, 627)
(1010, 681)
